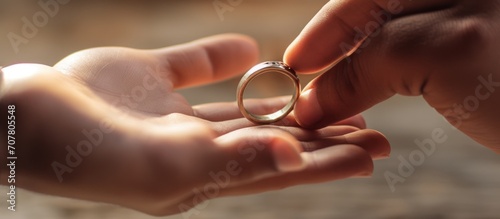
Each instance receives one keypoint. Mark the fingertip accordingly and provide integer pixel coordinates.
(308, 111)
(364, 165)
(299, 59)
(359, 121)
(315, 49)
(372, 141)
(244, 48)
(248, 45)
(208, 60)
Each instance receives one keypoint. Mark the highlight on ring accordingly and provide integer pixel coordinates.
(264, 68)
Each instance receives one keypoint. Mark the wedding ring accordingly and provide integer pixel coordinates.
(263, 68)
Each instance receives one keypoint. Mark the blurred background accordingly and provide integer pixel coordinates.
(460, 179)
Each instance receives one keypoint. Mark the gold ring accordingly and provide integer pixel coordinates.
(263, 68)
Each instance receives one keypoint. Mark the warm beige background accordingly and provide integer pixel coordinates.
(460, 180)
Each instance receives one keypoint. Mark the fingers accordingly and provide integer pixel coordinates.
(271, 159)
(328, 164)
(356, 121)
(301, 134)
(246, 156)
(228, 116)
(260, 152)
(341, 26)
(372, 141)
(343, 158)
(259, 159)
(209, 59)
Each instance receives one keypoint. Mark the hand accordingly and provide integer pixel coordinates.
(444, 50)
(106, 125)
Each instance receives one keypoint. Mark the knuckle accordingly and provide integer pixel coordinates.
(469, 35)
(449, 37)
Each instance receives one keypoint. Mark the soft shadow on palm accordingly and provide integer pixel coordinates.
(128, 79)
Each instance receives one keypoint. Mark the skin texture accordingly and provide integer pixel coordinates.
(443, 50)
(150, 150)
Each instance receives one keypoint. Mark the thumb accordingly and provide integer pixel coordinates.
(343, 91)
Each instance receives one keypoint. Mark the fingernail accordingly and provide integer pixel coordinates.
(384, 156)
(364, 175)
(381, 156)
(308, 110)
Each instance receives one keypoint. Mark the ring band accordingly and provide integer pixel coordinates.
(263, 68)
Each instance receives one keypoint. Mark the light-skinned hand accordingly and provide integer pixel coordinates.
(141, 145)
